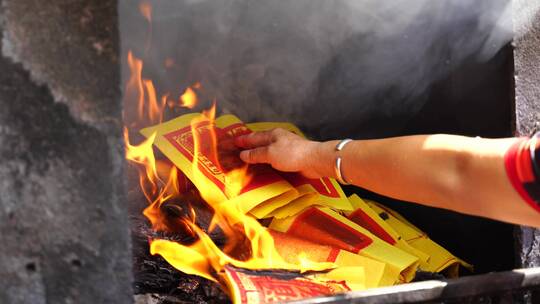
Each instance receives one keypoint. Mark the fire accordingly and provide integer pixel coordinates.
(236, 180)
(160, 182)
(150, 108)
(143, 155)
(134, 87)
(169, 190)
(189, 98)
(155, 110)
(141, 90)
(176, 254)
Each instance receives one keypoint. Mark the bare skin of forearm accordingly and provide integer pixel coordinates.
(453, 172)
(459, 173)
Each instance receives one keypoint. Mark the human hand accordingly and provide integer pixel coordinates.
(283, 150)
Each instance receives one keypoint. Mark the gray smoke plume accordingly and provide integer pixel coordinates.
(359, 68)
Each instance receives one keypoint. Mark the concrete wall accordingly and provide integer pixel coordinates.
(64, 231)
(527, 82)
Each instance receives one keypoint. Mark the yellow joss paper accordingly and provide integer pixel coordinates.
(324, 191)
(440, 259)
(294, 250)
(265, 126)
(324, 226)
(366, 217)
(354, 277)
(217, 163)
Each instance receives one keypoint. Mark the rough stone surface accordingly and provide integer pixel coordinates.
(65, 234)
(527, 82)
(65, 44)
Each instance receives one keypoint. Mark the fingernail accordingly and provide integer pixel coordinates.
(244, 155)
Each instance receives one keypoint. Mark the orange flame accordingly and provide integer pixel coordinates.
(228, 217)
(155, 110)
(205, 257)
(143, 155)
(142, 90)
(170, 190)
(134, 86)
(159, 181)
(189, 98)
(208, 256)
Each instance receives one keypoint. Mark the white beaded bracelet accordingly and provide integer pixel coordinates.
(337, 165)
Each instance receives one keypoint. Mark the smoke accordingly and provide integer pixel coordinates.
(335, 67)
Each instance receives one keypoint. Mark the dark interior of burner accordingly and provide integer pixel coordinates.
(262, 64)
(475, 100)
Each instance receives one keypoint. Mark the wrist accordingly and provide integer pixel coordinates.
(324, 156)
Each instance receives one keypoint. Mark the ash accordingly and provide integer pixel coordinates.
(153, 275)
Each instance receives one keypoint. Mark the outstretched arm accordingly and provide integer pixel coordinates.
(459, 173)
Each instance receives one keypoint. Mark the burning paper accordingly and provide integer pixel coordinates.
(319, 242)
(226, 185)
(294, 249)
(254, 287)
(220, 172)
(267, 194)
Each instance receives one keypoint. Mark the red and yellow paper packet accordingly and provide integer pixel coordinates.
(258, 287)
(324, 226)
(296, 250)
(316, 220)
(323, 192)
(269, 194)
(266, 190)
(440, 259)
(369, 219)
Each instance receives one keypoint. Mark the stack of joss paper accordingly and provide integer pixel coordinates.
(312, 217)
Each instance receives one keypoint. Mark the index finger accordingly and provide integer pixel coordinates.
(254, 140)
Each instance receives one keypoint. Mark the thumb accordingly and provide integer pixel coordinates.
(255, 156)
